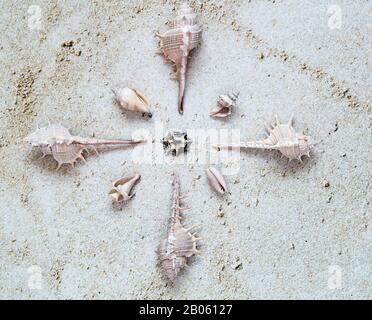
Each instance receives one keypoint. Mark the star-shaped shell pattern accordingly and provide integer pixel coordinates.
(176, 44)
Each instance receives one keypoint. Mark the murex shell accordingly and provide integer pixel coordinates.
(282, 137)
(56, 140)
(184, 35)
(176, 141)
(122, 188)
(132, 100)
(180, 243)
(225, 104)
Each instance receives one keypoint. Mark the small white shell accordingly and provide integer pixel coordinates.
(225, 104)
(121, 189)
(176, 141)
(216, 180)
(132, 100)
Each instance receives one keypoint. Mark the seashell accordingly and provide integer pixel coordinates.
(176, 141)
(281, 137)
(184, 35)
(216, 180)
(132, 100)
(121, 188)
(225, 104)
(180, 243)
(57, 141)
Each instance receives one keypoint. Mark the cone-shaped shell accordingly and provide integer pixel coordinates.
(121, 189)
(132, 100)
(216, 180)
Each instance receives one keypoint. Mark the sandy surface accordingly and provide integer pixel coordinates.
(280, 232)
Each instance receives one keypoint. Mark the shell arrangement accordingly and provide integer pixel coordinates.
(180, 244)
(184, 35)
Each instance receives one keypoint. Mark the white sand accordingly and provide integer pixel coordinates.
(282, 234)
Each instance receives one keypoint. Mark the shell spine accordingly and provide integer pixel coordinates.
(282, 137)
(180, 243)
(183, 36)
(56, 140)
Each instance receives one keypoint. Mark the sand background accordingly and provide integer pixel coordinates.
(280, 232)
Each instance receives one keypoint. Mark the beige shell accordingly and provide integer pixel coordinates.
(65, 148)
(180, 243)
(176, 141)
(184, 35)
(122, 188)
(132, 100)
(225, 104)
(216, 180)
(281, 137)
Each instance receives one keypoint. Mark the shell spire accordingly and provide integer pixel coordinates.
(56, 140)
(183, 36)
(180, 243)
(282, 137)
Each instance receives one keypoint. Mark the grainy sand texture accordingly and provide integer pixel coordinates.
(282, 231)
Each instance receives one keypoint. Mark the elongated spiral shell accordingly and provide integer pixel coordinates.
(184, 35)
(65, 148)
(180, 243)
(282, 137)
